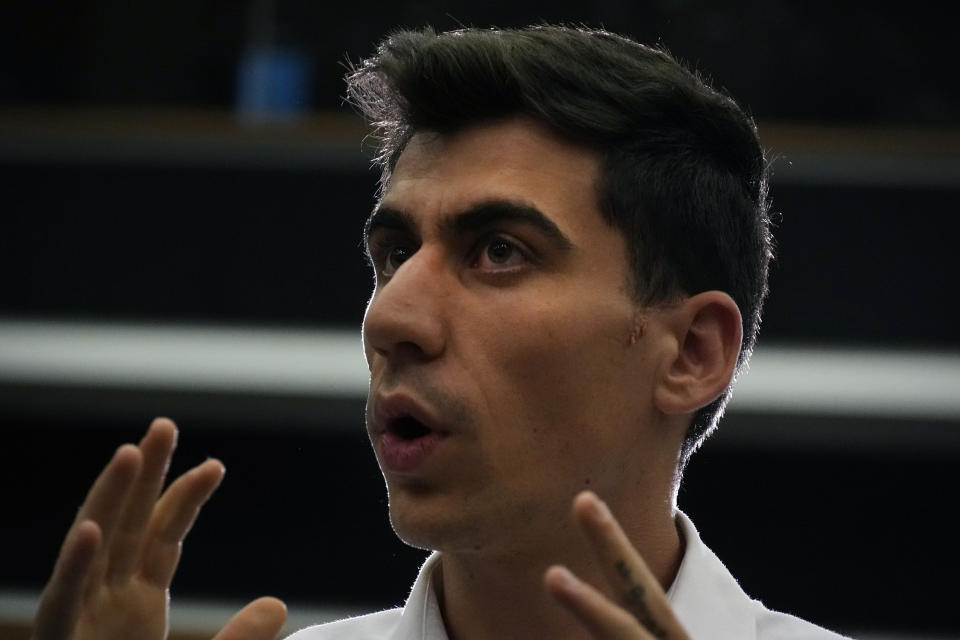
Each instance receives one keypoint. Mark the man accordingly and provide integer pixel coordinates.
(570, 251)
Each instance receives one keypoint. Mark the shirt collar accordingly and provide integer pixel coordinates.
(705, 596)
(421, 619)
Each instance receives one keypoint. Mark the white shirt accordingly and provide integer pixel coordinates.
(705, 597)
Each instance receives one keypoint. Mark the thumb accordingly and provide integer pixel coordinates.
(262, 619)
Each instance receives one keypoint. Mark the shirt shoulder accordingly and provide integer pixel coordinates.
(373, 626)
(774, 625)
(709, 602)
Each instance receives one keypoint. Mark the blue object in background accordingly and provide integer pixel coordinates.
(273, 83)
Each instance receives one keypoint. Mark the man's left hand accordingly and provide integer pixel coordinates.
(641, 610)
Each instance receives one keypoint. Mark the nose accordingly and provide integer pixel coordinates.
(405, 318)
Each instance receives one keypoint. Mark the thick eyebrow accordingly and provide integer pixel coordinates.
(479, 216)
(387, 218)
(491, 212)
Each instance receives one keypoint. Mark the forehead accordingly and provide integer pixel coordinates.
(514, 160)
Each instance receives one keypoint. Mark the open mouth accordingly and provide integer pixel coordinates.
(408, 428)
(406, 441)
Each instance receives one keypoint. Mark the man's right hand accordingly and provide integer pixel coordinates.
(112, 578)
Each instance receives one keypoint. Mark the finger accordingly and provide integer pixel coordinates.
(262, 619)
(105, 499)
(104, 503)
(60, 601)
(156, 448)
(627, 574)
(601, 617)
(172, 518)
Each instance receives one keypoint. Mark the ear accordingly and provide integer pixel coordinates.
(708, 330)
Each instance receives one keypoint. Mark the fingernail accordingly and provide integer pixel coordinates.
(565, 577)
(601, 509)
(125, 447)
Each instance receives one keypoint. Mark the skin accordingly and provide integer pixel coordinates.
(545, 378)
(545, 375)
(522, 443)
(112, 578)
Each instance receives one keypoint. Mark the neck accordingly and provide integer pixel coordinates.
(488, 596)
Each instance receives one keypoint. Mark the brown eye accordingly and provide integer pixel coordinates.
(500, 254)
(396, 257)
(499, 251)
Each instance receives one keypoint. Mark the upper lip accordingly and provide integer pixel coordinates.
(388, 408)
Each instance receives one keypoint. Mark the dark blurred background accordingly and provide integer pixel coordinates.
(184, 178)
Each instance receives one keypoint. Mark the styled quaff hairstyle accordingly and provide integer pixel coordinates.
(683, 175)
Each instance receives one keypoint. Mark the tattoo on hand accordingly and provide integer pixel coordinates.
(635, 601)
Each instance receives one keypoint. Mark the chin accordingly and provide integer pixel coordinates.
(434, 527)
(415, 538)
(425, 532)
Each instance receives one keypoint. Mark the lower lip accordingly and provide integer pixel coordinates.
(402, 455)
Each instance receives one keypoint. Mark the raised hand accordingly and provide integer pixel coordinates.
(641, 611)
(112, 578)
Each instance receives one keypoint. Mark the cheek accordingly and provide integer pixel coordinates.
(560, 367)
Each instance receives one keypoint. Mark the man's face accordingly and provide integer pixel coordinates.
(505, 374)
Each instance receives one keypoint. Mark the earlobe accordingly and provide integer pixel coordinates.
(708, 329)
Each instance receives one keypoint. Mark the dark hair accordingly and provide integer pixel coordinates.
(683, 174)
